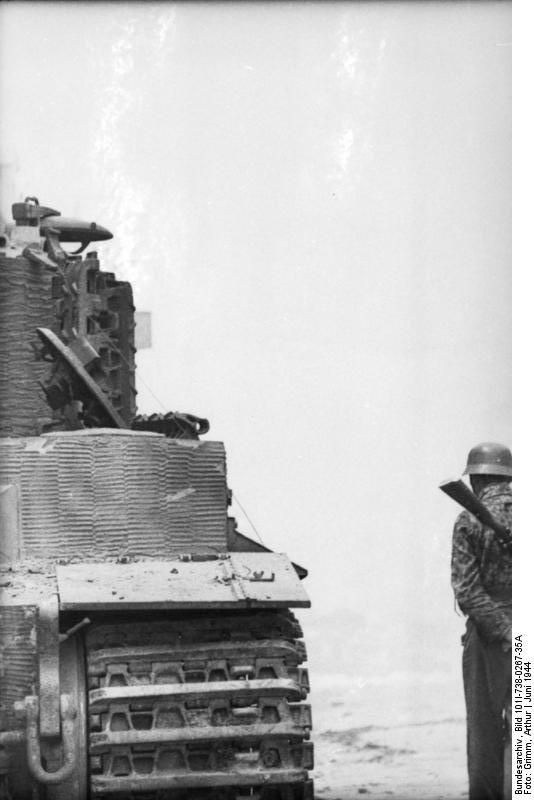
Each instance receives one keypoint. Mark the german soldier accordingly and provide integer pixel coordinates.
(482, 583)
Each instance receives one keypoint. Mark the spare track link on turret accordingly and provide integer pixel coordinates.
(205, 707)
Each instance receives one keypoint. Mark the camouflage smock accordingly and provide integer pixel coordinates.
(481, 569)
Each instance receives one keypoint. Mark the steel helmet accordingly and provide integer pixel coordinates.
(489, 458)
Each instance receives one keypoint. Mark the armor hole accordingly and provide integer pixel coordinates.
(170, 759)
(170, 718)
(219, 716)
(199, 761)
(271, 758)
(166, 677)
(266, 672)
(119, 722)
(143, 764)
(217, 675)
(270, 714)
(142, 722)
(121, 766)
(195, 677)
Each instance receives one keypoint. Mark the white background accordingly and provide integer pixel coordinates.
(313, 200)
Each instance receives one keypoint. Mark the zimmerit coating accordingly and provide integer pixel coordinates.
(100, 494)
(19, 660)
(25, 304)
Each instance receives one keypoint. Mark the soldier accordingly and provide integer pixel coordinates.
(482, 583)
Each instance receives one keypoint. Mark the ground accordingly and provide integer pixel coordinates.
(422, 761)
(396, 733)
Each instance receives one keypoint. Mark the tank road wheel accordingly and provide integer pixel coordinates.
(204, 707)
(73, 682)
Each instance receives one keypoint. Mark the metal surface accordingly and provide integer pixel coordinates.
(239, 543)
(489, 458)
(285, 791)
(11, 737)
(30, 212)
(33, 746)
(292, 652)
(75, 230)
(19, 666)
(25, 303)
(191, 780)
(214, 690)
(78, 383)
(108, 494)
(286, 730)
(48, 650)
(228, 582)
(175, 424)
(9, 523)
(95, 307)
(36, 255)
(207, 700)
(53, 247)
(73, 682)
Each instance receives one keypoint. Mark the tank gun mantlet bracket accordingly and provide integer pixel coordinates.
(35, 254)
(53, 247)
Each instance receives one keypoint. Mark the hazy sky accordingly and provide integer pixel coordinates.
(313, 200)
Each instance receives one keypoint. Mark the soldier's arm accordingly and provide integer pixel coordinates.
(492, 621)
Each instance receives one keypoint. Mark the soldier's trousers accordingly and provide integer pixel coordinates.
(487, 671)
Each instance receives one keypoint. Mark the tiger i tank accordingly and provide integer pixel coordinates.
(148, 648)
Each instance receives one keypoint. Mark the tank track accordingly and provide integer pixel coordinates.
(205, 707)
(92, 303)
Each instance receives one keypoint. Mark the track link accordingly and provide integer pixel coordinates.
(206, 706)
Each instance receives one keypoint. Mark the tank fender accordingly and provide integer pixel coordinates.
(226, 580)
